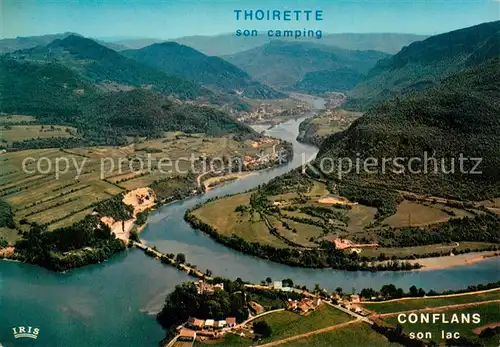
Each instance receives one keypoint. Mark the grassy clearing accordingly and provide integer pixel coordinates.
(414, 304)
(229, 340)
(16, 118)
(329, 122)
(487, 312)
(300, 233)
(285, 323)
(221, 215)
(92, 174)
(318, 189)
(415, 214)
(360, 216)
(357, 334)
(11, 235)
(12, 133)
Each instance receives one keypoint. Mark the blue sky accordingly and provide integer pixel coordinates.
(175, 18)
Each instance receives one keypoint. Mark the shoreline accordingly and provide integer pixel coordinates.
(218, 181)
(448, 261)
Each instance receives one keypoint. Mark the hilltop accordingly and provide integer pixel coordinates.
(284, 64)
(104, 66)
(56, 94)
(459, 116)
(227, 44)
(212, 72)
(423, 64)
(18, 43)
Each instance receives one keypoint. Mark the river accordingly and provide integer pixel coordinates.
(107, 304)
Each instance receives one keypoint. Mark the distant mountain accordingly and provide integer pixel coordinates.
(102, 65)
(340, 80)
(458, 117)
(11, 45)
(133, 43)
(212, 72)
(286, 65)
(228, 44)
(423, 64)
(56, 94)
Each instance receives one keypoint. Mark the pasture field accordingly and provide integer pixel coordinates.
(221, 215)
(429, 302)
(285, 323)
(411, 213)
(356, 334)
(16, 118)
(307, 218)
(488, 314)
(58, 187)
(318, 189)
(229, 340)
(329, 122)
(13, 133)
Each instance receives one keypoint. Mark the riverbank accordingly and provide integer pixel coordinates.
(132, 283)
(316, 258)
(217, 181)
(444, 262)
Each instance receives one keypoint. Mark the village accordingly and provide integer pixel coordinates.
(203, 330)
(273, 112)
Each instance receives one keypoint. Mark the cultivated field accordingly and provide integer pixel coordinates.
(304, 219)
(422, 303)
(13, 133)
(329, 122)
(58, 187)
(221, 214)
(16, 118)
(356, 334)
(285, 323)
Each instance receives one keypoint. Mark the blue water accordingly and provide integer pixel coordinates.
(113, 304)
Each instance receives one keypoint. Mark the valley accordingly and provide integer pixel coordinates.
(216, 190)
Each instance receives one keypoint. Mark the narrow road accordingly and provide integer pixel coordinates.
(349, 312)
(197, 273)
(311, 333)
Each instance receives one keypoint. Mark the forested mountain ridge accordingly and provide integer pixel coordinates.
(213, 72)
(102, 65)
(227, 44)
(459, 116)
(18, 43)
(284, 64)
(55, 94)
(424, 63)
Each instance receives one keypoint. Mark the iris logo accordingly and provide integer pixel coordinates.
(26, 332)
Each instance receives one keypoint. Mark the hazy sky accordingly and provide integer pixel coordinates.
(176, 18)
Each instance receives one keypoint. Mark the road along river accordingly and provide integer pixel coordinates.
(108, 304)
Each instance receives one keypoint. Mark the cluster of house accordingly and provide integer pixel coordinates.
(256, 308)
(207, 288)
(351, 305)
(208, 328)
(210, 324)
(303, 306)
(267, 110)
(351, 246)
